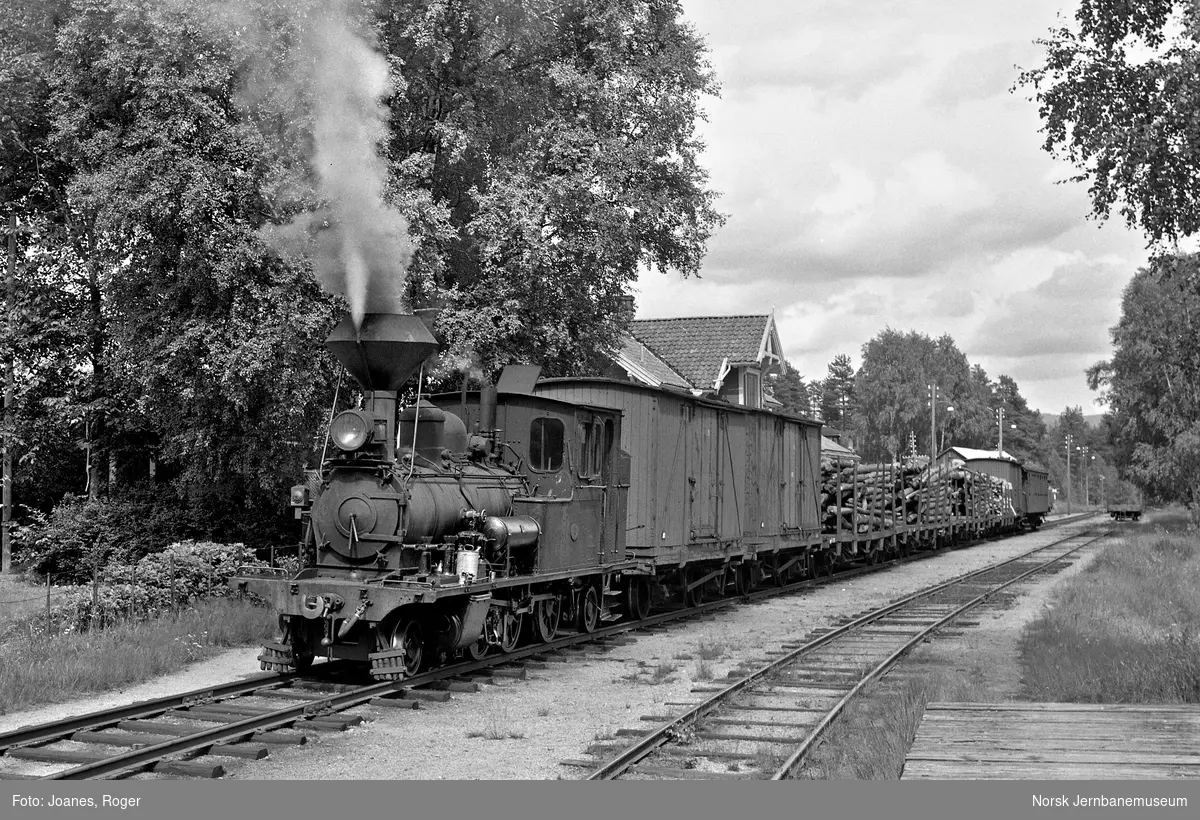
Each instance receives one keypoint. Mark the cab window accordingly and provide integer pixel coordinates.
(591, 449)
(545, 445)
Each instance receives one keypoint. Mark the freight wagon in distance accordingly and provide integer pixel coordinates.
(1029, 485)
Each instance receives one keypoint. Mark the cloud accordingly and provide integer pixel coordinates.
(1069, 313)
(915, 218)
(981, 74)
(877, 172)
(835, 64)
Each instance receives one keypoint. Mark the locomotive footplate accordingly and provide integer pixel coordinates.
(317, 596)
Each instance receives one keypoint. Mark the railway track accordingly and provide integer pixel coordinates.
(781, 710)
(181, 734)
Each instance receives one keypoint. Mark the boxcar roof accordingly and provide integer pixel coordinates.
(448, 399)
(719, 404)
(972, 454)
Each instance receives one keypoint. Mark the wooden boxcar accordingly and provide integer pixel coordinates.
(1036, 486)
(715, 484)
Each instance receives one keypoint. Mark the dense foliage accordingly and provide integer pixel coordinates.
(893, 390)
(890, 412)
(541, 153)
(1152, 383)
(838, 400)
(549, 151)
(1119, 93)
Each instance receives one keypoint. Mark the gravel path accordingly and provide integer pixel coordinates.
(522, 729)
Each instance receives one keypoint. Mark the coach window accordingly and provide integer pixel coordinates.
(545, 445)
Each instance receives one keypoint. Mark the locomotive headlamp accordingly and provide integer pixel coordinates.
(350, 430)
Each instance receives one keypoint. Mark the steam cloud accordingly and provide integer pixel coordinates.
(358, 243)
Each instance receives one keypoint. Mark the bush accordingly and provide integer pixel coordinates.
(154, 585)
(80, 534)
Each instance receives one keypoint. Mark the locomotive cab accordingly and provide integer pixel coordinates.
(570, 457)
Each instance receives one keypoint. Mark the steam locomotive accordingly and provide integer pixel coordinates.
(426, 541)
(468, 522)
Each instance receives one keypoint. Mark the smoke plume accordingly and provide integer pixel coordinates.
(358, 243)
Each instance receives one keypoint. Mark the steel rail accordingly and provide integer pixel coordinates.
(47, 732)
(56, 730)
(139, 759)
(818, 731)
(630, 756)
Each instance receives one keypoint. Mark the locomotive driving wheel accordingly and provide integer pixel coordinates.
(478, 650)
(493, 629)
(546, 615)
(588, 616)
(406, 636)
(510, 630)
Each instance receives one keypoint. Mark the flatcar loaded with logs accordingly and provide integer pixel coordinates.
(469, 522)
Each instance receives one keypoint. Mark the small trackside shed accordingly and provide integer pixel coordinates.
(710, 480)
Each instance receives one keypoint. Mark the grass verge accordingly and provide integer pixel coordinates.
(871, 738)
(1126, 630)
(39, 670)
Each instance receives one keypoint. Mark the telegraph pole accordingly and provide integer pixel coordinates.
(932, 424)
(1000, 446)
(1087, 474)
(1069, 440)
(10, 303)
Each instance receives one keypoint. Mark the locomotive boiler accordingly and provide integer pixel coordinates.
(424, 540)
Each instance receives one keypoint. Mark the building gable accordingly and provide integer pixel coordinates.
(703, 349)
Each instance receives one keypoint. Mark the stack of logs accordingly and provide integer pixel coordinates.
(867, 497)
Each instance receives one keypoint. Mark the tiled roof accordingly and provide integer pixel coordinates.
(636, 355)
(695, 347)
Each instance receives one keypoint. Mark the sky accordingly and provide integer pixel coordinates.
(877, 171)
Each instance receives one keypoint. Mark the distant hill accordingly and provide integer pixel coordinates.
(1051, 419)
